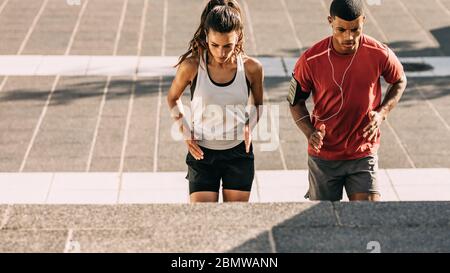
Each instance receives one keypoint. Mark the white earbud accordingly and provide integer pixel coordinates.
(340, 86)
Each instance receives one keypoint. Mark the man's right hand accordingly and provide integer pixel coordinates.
(316, 138)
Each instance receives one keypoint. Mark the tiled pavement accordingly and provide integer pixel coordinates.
(164, 187)
(239, 227)
(59, 132)
(80, 96)
(111, 116)
(156, 66)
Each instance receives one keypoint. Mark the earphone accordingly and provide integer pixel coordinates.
(335, 82)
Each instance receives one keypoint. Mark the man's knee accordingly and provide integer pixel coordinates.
(364, 197)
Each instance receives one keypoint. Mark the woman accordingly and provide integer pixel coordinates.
(220, 75)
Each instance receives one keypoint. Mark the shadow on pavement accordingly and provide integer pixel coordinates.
(362, 227)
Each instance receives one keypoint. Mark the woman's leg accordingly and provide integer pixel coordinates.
(235, 196)
(204, 196)
(238, 175)
(204, 178)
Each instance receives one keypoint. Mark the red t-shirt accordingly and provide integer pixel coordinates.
(361, 90)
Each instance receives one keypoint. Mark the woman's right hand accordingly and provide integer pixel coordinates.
(189, 138)
(194, 149)
(191, 142)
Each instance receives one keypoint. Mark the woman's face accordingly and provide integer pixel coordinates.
(222, 45)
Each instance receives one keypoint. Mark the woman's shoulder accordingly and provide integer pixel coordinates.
(252, 65)
(189, 66)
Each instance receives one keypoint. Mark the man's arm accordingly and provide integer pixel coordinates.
(302, 119)
(393, 95)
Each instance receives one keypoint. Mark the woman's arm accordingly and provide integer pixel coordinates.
(184, 76)
(255, 74)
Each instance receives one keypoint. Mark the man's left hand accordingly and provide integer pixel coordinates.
(371, 130)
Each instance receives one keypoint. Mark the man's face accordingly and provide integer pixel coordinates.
(346, 34)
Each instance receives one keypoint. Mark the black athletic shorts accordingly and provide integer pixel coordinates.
(233, 166)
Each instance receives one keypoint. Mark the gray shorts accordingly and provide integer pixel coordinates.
(327, 178)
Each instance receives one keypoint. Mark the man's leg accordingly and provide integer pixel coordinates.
(326, 181)
(365, 197)
(361, 182)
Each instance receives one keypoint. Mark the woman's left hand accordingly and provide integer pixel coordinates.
(247, 138)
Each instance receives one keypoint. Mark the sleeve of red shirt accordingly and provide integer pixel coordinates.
(303, 75)
(392, 70)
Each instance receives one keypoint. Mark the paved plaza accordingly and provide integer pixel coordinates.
(85, 130)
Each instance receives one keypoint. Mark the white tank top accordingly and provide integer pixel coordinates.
(218, 112)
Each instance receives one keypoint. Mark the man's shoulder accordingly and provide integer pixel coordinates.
(315, 51)
(318, 48)
(374, 46)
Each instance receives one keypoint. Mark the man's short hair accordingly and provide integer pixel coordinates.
(348, 10)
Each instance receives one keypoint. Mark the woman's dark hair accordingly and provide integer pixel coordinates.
(223, 16)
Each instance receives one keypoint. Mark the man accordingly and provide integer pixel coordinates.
(343, 73)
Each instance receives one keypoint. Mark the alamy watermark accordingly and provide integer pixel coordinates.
(227, 123)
